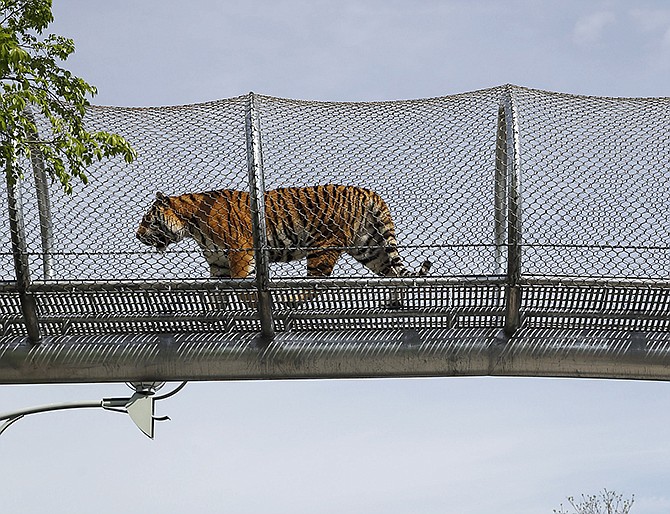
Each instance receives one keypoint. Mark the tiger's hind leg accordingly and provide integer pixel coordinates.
(385, 261)
(320, 263)
(396, 298)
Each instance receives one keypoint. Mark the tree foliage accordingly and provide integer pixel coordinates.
(33, 82)
(607, 502)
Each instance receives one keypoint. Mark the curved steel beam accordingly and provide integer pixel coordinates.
(344, 354)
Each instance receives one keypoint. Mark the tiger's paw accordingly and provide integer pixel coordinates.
(295, 300)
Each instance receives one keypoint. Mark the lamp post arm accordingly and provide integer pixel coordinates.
(12, 417)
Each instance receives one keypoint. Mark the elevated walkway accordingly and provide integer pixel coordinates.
(546, 217)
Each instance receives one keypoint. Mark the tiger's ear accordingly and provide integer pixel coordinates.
(161, 197)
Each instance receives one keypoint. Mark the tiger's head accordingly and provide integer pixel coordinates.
(161, 225)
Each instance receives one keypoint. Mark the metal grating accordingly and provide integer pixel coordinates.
(544, 215)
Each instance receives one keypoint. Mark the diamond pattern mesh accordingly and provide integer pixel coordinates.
(593, 183)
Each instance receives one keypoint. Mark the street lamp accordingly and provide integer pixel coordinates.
(140, 406)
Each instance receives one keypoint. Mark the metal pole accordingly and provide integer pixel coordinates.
(513, 169)
(50, 408)
(43, 203)
(21, 265)
(257, 206)
(500, 192)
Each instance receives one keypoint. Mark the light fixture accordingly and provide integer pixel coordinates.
(140, 406)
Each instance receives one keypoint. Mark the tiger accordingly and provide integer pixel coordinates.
(318, 223)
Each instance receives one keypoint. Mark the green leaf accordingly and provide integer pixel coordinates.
(32, 80)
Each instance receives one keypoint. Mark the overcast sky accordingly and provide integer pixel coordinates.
(462, 445)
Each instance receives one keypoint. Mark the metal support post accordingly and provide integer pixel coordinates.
(500, 193)
(21, 265)
(43, 203)
(257, 205)
(512, 164)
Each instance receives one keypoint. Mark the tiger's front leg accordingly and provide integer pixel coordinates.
(241, 266)
(241, 263)
(320, 263)
(233, 264)
(219, 265)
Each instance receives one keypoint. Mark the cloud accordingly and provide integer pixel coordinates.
(589, 29)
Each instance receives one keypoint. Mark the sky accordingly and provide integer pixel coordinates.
(394, 446)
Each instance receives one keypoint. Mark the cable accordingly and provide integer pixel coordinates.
(173, 392)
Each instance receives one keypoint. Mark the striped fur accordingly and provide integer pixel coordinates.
(318, 223)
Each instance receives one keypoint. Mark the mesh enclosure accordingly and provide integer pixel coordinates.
(180, 149)
(432, 161)
(544, 208)
(595, 186)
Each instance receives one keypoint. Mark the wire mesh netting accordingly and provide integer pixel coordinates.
(595, 186)
(358, 198)
(180, 149)
(431, 160)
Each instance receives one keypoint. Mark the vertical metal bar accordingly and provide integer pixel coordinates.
(43, 203)
(21, 264)
(257, 205)
(500, 193)
(513, 165)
